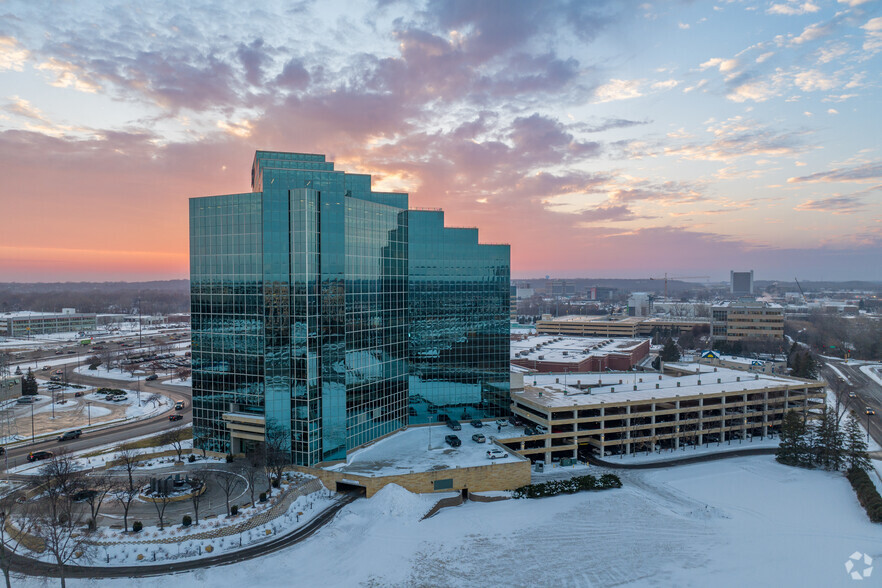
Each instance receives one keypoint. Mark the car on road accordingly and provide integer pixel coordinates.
(851, 393)
(501, 422)
(477, 424)
(452, 440)
(151, 377)
(175, 417)
(59, 352)
(871, 411)
(68, 435)
(55, 378)
(179, 405)
(454, 424)
(46, 368)
(496, 453)
(38, 455)
(479, 438)
(79, 393)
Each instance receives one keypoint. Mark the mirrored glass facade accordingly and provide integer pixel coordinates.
(308, 309)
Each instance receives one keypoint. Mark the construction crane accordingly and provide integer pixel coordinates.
(666, 278)
(800, 290)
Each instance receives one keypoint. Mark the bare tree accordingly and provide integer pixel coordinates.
(183, 373)
(252, 470)
(160, 501)
(175, 438)
(57, 522)
(196, 485)
(227, 482)
(124, 492)
(128, 458)
(96, 489)
(14, 511)
(154, 399)
(277, 452)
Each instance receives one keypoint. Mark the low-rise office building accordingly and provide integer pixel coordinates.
(603, 414)
(615, 326)
(747, 319)
(28, 323)
(547, 353)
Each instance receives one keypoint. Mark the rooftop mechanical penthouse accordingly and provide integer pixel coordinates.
(334, 315)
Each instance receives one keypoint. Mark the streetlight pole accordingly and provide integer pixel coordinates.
(33, 435)
(89, 410)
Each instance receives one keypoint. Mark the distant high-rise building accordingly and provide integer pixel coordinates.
(741, 283)
(335, 315)
(562, 289)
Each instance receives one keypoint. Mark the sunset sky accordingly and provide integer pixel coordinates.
(599, 139)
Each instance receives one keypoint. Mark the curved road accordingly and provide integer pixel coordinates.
(32, 567)
(117, 433)
(683, 460)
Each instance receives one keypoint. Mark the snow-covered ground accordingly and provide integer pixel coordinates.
(113, 374)
(694, 451)
(839, 373)
(740, 522)
(873, 372)
(188, 382)
(421, 449)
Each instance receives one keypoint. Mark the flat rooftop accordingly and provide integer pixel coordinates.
(558, 391)
(576, 318)
(570, 349)
(423, 449)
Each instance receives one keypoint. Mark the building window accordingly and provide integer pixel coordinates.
(445, 484)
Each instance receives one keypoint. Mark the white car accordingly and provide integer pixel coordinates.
(496, 453)
(502, 422)
(541, 428)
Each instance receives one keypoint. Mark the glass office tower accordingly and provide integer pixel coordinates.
(305, 318)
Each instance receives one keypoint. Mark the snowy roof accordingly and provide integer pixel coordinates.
(569, 349)
(564, 391)
(421, 449)
(574, 318)
(18, 314)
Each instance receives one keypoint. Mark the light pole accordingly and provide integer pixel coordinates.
(89, 410)
(868, 426)
(33, 435)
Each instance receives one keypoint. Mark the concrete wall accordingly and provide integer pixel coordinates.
(506, 474)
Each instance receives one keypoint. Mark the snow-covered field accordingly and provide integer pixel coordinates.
(739, 522)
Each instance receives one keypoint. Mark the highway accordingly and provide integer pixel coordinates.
(866, 392)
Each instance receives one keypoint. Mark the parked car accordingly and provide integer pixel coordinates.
(541, 428)
(119, 397)
(871, 411)
(479, 438)
(454, 424)
(515, 420)
(496, 453)
(477, 424)
(38, 455)
(452, 440)
(529, 431)
(68, 435)
(501, 422)
(151, 377)
(175, 417)
(179, 405)
(55, 378)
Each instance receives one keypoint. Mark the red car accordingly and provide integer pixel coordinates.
(175, 417)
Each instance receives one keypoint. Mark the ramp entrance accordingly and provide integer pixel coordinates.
(347, 487)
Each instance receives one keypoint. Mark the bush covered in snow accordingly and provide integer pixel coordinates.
(571, 486)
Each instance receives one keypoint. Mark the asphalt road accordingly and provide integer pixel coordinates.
(113, 433)
(31, 567)
(866, 393)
